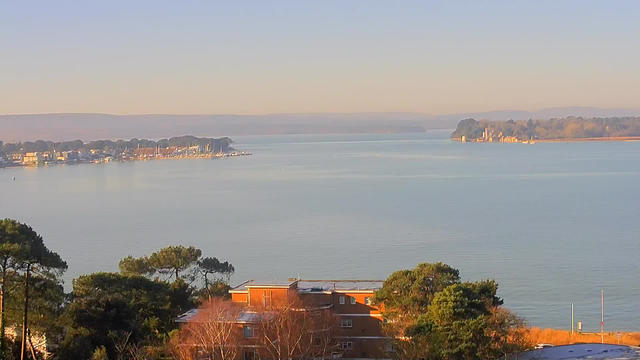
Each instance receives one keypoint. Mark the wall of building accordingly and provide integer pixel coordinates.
(364, 336)
(268, 296)
(364, 348)
(316, 298)
(360, 306)
(365, 333)
(239, 297)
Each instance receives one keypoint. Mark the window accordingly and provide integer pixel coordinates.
(346, 323)
(347, 345)
(342, 300)
(247, 331)
(367, 300)
(353, 300)
(249, 355)
(266, 300)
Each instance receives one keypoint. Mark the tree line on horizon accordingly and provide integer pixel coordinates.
(563, 128)
(216, 144)
(130, 314)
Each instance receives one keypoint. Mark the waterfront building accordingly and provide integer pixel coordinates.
(70, 156)
(49, 156)
(32, 158)
(17, 157)
(145, 152)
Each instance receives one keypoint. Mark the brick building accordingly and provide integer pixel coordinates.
(349, 301)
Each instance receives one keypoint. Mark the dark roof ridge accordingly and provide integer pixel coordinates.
(241, 284)
(343, 280)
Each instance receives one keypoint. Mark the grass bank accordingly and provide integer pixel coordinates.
(564, 337)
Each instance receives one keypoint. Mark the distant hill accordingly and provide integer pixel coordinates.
(557, 112)
(61, 127)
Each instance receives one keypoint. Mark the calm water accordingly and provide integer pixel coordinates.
(553, 223)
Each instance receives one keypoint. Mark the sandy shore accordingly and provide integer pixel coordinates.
(625, 138)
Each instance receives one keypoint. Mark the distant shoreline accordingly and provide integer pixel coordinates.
(568, 129)
(622, 138)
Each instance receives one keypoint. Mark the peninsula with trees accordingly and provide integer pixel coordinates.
(42, 152)
(555, 129)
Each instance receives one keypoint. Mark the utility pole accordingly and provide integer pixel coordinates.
(602, 316)
(572, 319)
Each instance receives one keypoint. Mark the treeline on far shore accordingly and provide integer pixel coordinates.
(219, 144)
(564, 128)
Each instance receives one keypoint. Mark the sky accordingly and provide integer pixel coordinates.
(257, 57)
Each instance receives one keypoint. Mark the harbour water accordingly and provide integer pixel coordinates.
(553, 223)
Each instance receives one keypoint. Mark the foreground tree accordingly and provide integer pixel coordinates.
(11, 248)
(455, 322)
(172, 262)
(411, 291)
(213, 333)
(45, 309)
(292, 329)
(46, 264)
(215, 275)
(123, 313)
(136, 266)
(432, 315)
(510, 334)
(182, 267)
(23, 252)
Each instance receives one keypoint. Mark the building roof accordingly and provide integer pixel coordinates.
(246, 317)
(188, 316)
(313, 285)
(583, 351)
(145, 151)
(339, 285)
(266, 284)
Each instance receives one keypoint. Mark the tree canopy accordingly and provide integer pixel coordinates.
(221, 144)
(172, 262)
(23, 252)
(107, 307)
(126, 315)
(564, 128)
(410, 291)
(134, 310)
(220, 273)
(433, 315)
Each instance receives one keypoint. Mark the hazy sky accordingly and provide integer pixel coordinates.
(250, 57)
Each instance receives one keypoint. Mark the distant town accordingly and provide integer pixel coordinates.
(490, 135)
(40, 153)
